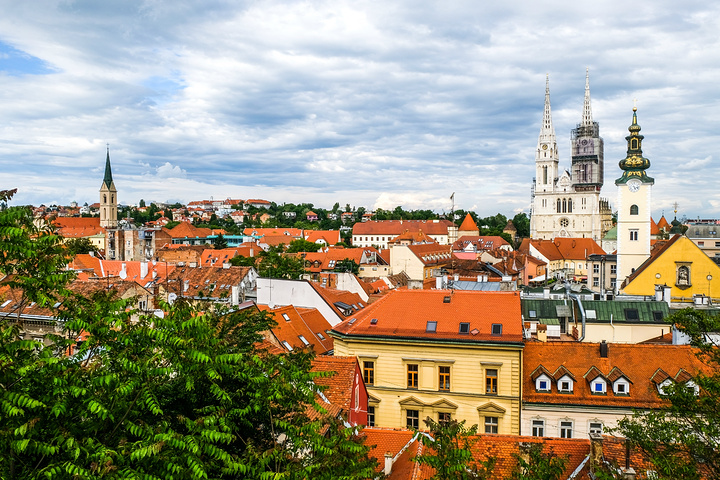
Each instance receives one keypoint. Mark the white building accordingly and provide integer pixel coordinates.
(568, 204)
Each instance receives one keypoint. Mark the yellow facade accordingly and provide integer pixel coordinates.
(468, 366)
(684, 267)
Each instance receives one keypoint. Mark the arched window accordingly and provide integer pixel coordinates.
(112, 198)
(559, 206)
(104, 198)
(545, 179)
(634, 144)
(569, 205)
(564, 205)
(633, 209)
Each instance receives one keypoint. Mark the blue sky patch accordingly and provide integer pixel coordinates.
(16, 62)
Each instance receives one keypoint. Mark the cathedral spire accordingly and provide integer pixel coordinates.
(107, 179)
(587, 120)
(547, 131)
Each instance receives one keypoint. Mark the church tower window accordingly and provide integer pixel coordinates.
(569, 205)
(633, 210)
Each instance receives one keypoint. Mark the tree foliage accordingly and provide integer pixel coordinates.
(533, 463)
(447, 450)
(302, 245)
(684, 436)
(273, 263)
(77, 246)
(185, 394)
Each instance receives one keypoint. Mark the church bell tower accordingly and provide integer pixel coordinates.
(108, 197)
(634, 202)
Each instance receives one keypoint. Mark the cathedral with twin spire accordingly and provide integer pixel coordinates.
(568, 203)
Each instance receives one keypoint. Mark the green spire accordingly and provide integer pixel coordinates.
(107, 179)
(634, 164)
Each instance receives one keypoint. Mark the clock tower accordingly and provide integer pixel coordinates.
(634, 202)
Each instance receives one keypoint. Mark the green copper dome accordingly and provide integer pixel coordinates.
(634, 164)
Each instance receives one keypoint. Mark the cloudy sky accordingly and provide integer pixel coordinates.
(363, 102)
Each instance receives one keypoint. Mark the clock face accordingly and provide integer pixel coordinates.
(545, 147)
(633, 185)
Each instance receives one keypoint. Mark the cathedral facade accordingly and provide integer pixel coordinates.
(568, 203)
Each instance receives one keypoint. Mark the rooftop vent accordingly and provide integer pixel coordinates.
(431, 327)
(446, 299)
(464, 328)
(373, 321)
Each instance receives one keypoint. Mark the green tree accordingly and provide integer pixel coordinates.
(447, 450)
(302, 245)
(684, 436)
(522, 223)
(273, 263)
(142, 203)
(347, 265)
(240, 261)
(77, 246)
(219, 242)
(535, 464)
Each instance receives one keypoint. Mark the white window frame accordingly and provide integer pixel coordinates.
(598, 381)
(537, 427)
(621, 382)
(593, 423)
(565, 378)
(565, 428)
(543, 378)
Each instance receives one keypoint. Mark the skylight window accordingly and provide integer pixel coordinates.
(632, 314)
(373, 321)
(464, 328)
(286, 317)
(287, 345)
(7, 302)
(352, 320)
(303, 339)
(497, 328)
(532, 314)
(320, 336)
(431, 327)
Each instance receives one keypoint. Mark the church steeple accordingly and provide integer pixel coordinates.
(547, 131)
(108, 197)
(634, 164)
(587, 120)
(107, 179)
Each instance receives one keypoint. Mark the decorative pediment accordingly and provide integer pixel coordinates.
(444, 404)
(659, 376)
(682, 376)
(562, 372)
(411, 402)
(373, 399)
(539, 371)
(593, 373)
(491, 407)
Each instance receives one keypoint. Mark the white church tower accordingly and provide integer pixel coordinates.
(634, 202)
(568, 204)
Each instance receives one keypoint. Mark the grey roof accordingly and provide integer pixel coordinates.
(483, 286)
(597, 311)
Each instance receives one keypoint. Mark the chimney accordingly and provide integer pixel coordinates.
(388, 463)
(226, 266)
(604, 349)
(186, 286)
(546, 293)
(666, 294)
(542, 332)
(596, 451)
(235, 295)
(123, 271)
(143, 269)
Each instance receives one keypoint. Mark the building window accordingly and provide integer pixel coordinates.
(598, 387)
(622, 388)
(412, 418)
(566, 386)
(491, 381)
(538, 428)
(633, 209)
(371, 416)
(596, 427)
(444, 378)
(491, 424)
(596, 282)
(464, 328)
(444, 418)
(369, 373)
(633, 235)
(431, 327)
(496, 329)
(543, 386)
(412, 376)
(596, 268)
(613, 269)
(566, 428)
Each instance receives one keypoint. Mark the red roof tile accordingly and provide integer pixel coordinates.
(468, 224)
(406, 313)
(396, 227)
(293, 323)
(340, 383)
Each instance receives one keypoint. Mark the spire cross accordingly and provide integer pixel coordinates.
(675, 206)
(634, 102)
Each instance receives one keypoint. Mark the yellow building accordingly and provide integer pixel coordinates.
(439, 354)
(679, 264)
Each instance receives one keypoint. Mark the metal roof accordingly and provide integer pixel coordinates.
(597, 311)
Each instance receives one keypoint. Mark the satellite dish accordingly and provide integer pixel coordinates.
(171, 298)
(159, 313)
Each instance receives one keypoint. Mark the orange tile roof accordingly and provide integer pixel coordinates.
(431, 253)
(637, 362)
(205, 282)
(577, 248)
(403, 445)
(481, 242)
(215, 258)
(405, 313)
(310, 324)
(654, 230)
(412, 237)
(340, 383)
(259, 232)
(468, 224)
(331, 237)
(396, 227)
(78, 227)
(663, 223)
(332, 296)
(156, 271)
(188, 230)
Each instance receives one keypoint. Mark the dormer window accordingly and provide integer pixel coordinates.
(598, 386)
(542, 383)
(662, 386)
(621, 387)
(565, 384)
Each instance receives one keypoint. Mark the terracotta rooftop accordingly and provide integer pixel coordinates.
(468, 224)
(340, 383)
(259, 232)
(205, 282)
(293, 323)
(637, 362)
(331, 237)
(414, 313)
(486, 242)
(78, 227)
